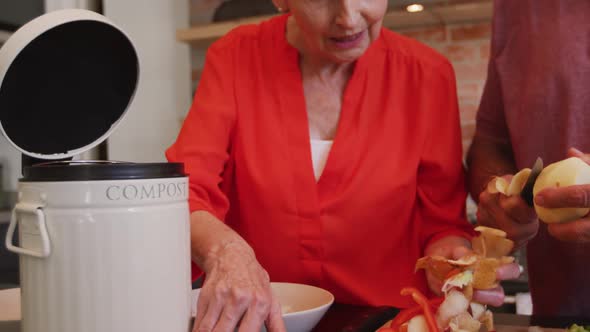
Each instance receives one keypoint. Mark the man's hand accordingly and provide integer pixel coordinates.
(510, 214)
(564, 197)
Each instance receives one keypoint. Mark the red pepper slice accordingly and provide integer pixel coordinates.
(404, 316)
(407, 314)
(420, 299)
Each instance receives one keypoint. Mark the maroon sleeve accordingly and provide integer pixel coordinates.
(491, 122)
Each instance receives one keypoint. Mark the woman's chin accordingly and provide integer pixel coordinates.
(342, 54)
(346, 56)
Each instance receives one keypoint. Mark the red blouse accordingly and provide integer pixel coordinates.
(393, 181)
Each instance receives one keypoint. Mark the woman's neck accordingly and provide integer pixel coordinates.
(313, 64)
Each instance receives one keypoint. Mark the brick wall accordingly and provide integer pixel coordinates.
(467, 46)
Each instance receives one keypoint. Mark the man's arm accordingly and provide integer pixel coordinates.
(486, 159)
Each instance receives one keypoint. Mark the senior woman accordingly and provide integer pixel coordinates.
(322, 149)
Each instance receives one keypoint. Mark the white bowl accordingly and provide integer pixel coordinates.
(303, 306)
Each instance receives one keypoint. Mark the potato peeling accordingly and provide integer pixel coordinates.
(514, 187)
(518, 181)
(568, 172)
(498, 185)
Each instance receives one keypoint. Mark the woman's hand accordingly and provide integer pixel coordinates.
(450, 247)
(236, 293)
(510, 214)
(571, 196)
(454, 247)
(495, 296)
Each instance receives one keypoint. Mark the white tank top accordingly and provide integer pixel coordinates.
(319, 155)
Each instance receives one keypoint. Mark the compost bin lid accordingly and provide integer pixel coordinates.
(66, 81)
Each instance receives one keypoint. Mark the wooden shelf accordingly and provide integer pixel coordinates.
(202, 36)
(205, 34)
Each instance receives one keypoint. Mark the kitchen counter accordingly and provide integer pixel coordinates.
(346, 318)
(505, 323)
(340, 318)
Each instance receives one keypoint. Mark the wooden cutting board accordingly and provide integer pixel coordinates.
(512, 328)
(508, 328)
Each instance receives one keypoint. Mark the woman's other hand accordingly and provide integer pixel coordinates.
(453, 247)
(450, 247)
(508, 213)
(495, 296)
(236, 293)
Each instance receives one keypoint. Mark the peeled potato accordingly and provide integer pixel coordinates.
(568, 172)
